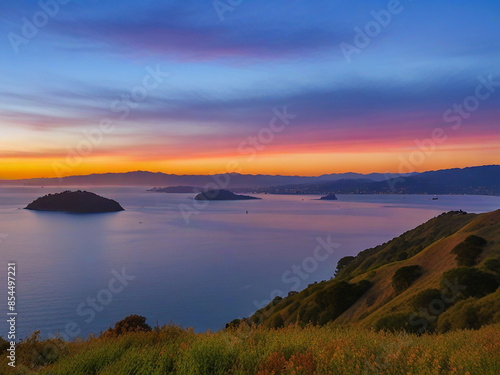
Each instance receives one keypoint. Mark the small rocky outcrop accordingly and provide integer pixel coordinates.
(329, 197)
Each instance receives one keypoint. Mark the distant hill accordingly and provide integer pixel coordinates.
(440, 276)
(175, 189)
(143, 178)
(483, 180)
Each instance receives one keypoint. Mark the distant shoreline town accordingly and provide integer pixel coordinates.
(480, 180)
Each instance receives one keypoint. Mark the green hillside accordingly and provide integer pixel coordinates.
(405, 283)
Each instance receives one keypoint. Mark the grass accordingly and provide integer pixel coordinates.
(290, 350)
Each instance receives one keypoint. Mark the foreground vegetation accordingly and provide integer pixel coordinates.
(257, 350)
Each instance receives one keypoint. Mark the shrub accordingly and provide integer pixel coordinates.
(336, 294)
(471, 313)
(343, 263)
(397, 322)
(468, 250)
(339, 297)
(132, 323)
(40, 352)
(402, 256)
(493, 265)
(307, 314)
(404, 277)
(273, 365)
(276, 300)
(476, 241)
(234, 323)
(424, 299)
(4, 345)
(461, 316)
(471, 281)
(278, 321)
(258, 317)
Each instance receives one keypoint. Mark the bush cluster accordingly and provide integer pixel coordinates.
(404, 277)
(469, 282)
(398, 322)
(424, 299)
(337, 298)
(132, 323)
(469, 250)
(471, 313)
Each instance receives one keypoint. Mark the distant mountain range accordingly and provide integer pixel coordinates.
(142, 178)
(484, 180)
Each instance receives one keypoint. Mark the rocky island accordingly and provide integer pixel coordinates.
(329, 197)
(75, 201)
(221, 195)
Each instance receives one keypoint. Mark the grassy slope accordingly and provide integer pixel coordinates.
(441, 234)
(290, 350)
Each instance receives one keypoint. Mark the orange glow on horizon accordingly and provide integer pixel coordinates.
(305, 164)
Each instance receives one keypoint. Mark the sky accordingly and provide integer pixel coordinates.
(288, 87)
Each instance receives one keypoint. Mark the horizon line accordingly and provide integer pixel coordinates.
(247, 174)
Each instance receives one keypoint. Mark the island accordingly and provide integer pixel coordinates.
(175, 189)
(221, 195)
(329, 197)
(75, 201)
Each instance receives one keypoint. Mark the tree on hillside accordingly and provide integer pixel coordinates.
(469, 281)
(342, 263)
(404, 277)
(468, 250)
(132, 323)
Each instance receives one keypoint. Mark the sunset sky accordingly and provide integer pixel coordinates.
(223, 75)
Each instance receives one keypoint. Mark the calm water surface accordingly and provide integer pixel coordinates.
(222, 265)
